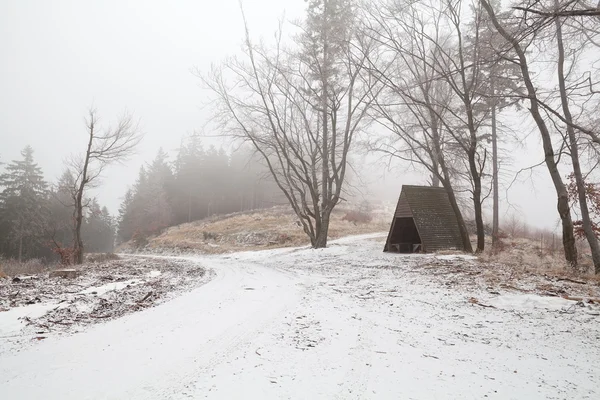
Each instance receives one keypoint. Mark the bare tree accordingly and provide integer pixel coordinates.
(570, 8)
(517, 44)
(574, 145)
(300, 108)
(103, 147)
(414, 100)
(499, 88)
(432, 44)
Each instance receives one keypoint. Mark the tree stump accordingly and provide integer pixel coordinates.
(65, 273)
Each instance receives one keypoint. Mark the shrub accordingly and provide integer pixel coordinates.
(284, 238)
(139, 240)
(357, 217)
(210, 236)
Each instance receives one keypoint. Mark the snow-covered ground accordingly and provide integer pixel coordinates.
(347, 322)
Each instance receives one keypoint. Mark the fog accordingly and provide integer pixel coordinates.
(60, 58)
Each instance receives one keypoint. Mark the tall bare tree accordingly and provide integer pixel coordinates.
(103, 147)
(414, 101)
(573, 139)
(518, 40)
(431, 41)
(499, 88)
(300, 108)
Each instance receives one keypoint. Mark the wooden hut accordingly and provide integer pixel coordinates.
(424, 221)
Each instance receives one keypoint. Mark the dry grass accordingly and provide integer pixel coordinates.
(272, 228)
(523, 257)
(11, 268)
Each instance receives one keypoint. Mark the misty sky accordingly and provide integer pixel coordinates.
(61, 57)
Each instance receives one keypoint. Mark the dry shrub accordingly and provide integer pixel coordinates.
(283, 238)
(210, 235)
(357, 217)
(66, 254)
(523, 255)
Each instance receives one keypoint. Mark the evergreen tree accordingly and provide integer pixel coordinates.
(189, 175)
(125, 228)
(24, 206)
(61, 210)
(97, 231)
(157, 204)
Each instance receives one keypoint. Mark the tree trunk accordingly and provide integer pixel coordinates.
(325, 195)
(435, 181)
(462, 227)
(551, 164)
(583, 206)
(477, 201)
(20, 248)
(77, 240)
(321, 231)
(495, 191)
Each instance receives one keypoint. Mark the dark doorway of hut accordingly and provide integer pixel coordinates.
(404, 237)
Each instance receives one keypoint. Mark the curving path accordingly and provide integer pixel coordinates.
(156, 353)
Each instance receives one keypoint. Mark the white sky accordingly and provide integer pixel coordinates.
(60, 57)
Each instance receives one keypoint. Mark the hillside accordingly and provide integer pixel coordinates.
(261, 229)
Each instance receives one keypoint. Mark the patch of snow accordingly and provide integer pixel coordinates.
(154, 274)
(529, 302)
(12, 321)
(109, 287)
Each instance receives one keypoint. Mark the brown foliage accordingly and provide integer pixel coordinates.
(592, 192)
(357, 217)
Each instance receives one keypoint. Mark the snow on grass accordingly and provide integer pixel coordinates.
(104, 290)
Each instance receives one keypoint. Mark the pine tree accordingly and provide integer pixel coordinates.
(157, 205)
(97, 231)
(61, 210)
(24, 205)
(189, 177)
(125, 228)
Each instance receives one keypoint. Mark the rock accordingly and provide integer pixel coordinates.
(65, 273)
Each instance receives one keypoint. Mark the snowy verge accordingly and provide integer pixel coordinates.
(40, 307)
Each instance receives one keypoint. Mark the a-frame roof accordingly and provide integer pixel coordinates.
(434, 217)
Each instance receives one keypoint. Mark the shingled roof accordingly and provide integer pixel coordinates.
(433, 216)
